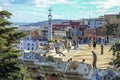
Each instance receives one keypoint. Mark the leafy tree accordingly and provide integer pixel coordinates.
(116, 52)
(10, 67)
(116, 61)
(110, 28)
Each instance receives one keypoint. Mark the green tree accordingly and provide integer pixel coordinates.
(116, 61)
(116, 51)
(10, 67)
(110, 29)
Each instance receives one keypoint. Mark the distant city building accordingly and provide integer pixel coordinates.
(64, 25)
(76, 31)
(92, 22)
(84, 22)
(90, 32)
(95, 23)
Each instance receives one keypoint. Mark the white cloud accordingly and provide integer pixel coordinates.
(0, 8)
(58, 17)
(5, 2)
(106, 4)
(47, 3)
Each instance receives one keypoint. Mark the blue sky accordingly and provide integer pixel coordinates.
(37, 10)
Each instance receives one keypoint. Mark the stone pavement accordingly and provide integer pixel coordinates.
(84, 52)
(72, 52)
(102, 60)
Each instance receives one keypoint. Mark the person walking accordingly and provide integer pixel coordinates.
(94, 59)
(68, 46)
(65, 43)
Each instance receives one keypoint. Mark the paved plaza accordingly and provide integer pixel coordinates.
(84, 52)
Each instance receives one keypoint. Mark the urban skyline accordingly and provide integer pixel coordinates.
(37, 10)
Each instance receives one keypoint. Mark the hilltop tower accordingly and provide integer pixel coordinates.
(49, 25)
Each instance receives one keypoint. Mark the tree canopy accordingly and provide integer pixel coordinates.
(110, 28)
(10, 67)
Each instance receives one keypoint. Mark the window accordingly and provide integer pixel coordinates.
(28, 48)
(32, 44)
(28, 44)
(32, 48)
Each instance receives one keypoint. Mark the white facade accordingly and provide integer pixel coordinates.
(92, 23)
(95, 23)
(27, 44)
(84, 22)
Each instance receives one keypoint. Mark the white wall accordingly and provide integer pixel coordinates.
(93, 23)
(29, 45)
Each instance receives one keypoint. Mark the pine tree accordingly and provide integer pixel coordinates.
(10, 67)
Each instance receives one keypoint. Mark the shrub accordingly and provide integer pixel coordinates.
(50, 59)
(51, 41)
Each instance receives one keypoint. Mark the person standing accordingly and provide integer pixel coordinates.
(68, 46)
(102, 49)
(94, 44)
(74, 43)
(65, 43)
(94, 59)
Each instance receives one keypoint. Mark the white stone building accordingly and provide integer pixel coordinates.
(95, 23)
(92, 22)
(27, 43)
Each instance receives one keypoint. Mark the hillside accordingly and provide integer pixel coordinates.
(45, 23)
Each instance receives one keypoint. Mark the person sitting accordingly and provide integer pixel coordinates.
(70, 60)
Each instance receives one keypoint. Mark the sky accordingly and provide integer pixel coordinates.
(37, 10)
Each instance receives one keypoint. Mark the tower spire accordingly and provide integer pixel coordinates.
(49, 11)
(49, 25)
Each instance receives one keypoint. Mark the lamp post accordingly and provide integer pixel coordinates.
(49, 25)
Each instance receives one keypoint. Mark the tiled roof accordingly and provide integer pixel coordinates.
(35, 34)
